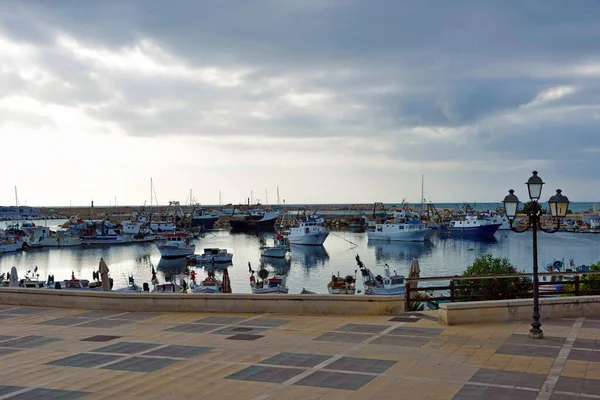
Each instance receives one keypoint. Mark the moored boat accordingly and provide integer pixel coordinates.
(210, 255)
(472, 225)
(256, 220)
(266, 284)
(400, 228)
(280, 248)
(387, 285)
(310, 231)
(175, 245)
(339, 285)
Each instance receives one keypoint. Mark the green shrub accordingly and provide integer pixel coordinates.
(591, 282)
(494, 288)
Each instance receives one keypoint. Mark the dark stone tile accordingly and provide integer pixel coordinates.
(552, 341)
(243, 336)
(25, 311)
(132, 316)
(352, 364)
(585, 355)
(497, 393)
(100, 338)
(265, 322)
(5, 338)
(558, 322)
(343, 337)
(4, 352)
(104, 323)
(412, 331)
(586, 344)
(509, 378)
(84, 360)
(362, 328)
(564, 396)
(395, 340)
(296, 360)
(591, 324)
(405, 319)
(4, 390)
(141, 364)
(568, 384)
(40, 393)
(528, 350)
(27, 342)
(192, 328)
(258, 373)
(234, 330)
(179, 351)
(335, 380)
(470, 392)
(65, 321)
(591, 386)
(221, 320)
(95, 314)
(126, 348)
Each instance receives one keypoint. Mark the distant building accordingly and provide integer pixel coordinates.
(19, 212)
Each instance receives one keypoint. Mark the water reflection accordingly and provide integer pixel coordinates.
(176, 265)
(309, 256)
(280, 265)
(399, 251)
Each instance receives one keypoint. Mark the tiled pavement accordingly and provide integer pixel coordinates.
(69, 354)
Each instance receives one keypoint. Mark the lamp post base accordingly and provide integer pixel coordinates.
(536, 333)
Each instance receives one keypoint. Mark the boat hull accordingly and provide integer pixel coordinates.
(375, 291)
(168, 252)
(10, 247)
(252, 224)
(106, 240)
(408, 235)
(340, 291)
(277, 290)
(274, 252)
(204, 222)
(483, 230)
(308, 239)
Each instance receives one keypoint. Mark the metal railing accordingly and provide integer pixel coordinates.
(571, 286)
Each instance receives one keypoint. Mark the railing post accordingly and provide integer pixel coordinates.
(407, 297)
(451, 291)
(577, 285)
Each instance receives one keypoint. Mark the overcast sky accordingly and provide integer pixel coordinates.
(334, 101)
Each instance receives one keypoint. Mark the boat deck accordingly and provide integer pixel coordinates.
(72, 354)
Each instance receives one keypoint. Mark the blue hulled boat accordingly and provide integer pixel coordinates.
(472, 225)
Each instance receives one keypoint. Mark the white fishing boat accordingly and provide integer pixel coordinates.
(387, 285)
(280, 248)
(210, 284)
(471, 225)
(400, 229)
(10, 245)
(502, 221)
(310, 231)
(106, 239)
(210, 255)
(339, 285)
(175, 245)
(268, 285)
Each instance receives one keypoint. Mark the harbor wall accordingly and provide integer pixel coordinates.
(474, 312)
(192, 302)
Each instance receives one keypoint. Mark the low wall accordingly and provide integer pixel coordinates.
(518, 310)
(192, 302)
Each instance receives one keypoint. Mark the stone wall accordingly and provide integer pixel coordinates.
(221, 303)
(518, 310)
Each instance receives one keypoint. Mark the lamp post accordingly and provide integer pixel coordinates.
(559, 205)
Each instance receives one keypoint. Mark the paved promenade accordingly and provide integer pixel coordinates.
(68, 354)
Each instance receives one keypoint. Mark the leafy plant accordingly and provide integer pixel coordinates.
(591, 282)
(493, 288)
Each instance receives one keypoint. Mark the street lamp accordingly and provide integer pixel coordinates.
(559, 205)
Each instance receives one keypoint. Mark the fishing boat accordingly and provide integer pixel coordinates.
(107, 234)
(256, 220)
(203, 220)
(210, 284)
(502, 220)
(280, 248)
(210, 255)
(10, 245)
(267, 285)
(471, 225)
(387, 285)
(175, 245)
(358, 224)
(310, 231)
(339, 285)
(400, 228)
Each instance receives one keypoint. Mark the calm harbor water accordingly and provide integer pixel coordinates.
(309, 267)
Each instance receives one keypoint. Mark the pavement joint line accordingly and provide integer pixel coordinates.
(584, 349)
(325, 363)
(559, 362)
(40, 385)
(586, 395)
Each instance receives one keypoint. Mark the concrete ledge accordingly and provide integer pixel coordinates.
(191, 302)
(518, 310)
